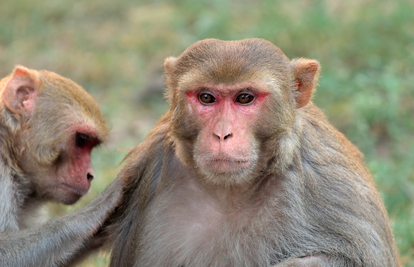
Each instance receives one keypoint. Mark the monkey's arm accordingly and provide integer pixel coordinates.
(56, 241)
(99, 240)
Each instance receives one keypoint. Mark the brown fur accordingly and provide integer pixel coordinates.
(41, 159)
(59, 100)
(307, 201)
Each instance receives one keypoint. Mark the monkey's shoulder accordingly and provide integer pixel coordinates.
(320, 137)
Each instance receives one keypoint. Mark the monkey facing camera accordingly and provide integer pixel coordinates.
(244, 170)
(48, 128)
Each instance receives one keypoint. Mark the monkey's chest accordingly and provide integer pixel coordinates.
(198, 232)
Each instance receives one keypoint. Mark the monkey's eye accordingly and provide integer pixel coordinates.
(244, 98)
(207, 98)
(81, 140)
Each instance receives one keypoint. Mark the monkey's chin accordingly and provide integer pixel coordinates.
(69, 200)
(226, 172)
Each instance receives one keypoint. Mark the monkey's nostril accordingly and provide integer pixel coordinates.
(227, 136)
(89, 176)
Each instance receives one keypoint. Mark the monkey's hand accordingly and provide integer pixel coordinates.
(60, 239)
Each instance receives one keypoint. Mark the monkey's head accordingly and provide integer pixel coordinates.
(229, 100)
(56, 125)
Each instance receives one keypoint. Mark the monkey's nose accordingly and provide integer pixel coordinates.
(89, 177)
(227, 136)
(223, 137)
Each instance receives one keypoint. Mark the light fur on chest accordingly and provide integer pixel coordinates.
(192, 227)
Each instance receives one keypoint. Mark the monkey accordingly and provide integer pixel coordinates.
(244, 170)
(48, 128)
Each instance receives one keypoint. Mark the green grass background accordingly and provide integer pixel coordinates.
(115, 50)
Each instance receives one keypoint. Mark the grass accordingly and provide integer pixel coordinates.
(115, 50)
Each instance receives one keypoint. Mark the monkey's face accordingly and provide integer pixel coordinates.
(73, 176)
(63, 172)
(226, 149)
(58, 125)
(228, 98)
(57, 157)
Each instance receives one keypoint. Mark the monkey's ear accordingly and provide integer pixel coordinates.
(169, 65)
(20, 91)
(306, 75)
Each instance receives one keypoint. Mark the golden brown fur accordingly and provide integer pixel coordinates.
(48, 128)
(307, 200)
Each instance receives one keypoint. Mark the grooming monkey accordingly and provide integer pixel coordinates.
(48, 128)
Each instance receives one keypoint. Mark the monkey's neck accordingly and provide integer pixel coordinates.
(233, 198)
(33, 213)
(16, 205)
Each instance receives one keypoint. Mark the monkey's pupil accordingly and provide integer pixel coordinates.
(207, 98)
(81, 139)
(245, 98)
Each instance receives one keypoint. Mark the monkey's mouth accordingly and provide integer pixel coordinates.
(232, 161)
(224, 165)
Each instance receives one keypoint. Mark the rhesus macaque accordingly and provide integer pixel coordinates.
(244, 170)
(48, 128)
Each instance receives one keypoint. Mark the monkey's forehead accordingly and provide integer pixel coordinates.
(227, 61)
(66, 95)
(256, 50)
(230, 81)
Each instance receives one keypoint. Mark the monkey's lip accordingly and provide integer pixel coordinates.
(231, 161)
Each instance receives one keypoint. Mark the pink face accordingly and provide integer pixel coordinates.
(75, 174)
(227, 113)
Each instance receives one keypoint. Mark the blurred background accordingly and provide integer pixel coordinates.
(115, 50)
